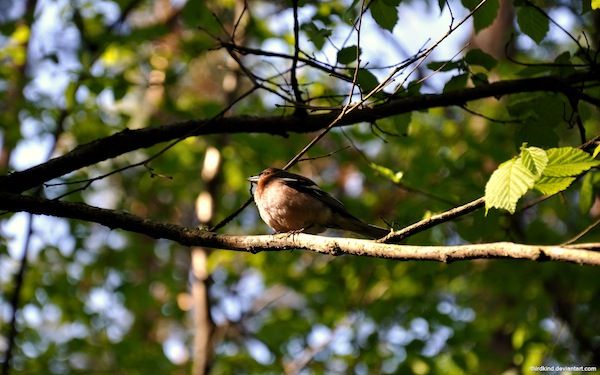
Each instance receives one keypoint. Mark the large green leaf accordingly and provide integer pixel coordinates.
(385, 15)
(552, 185)
(348, 54)
(457, 82)
(534, 159)
(478, 57)
(568, 161)
(366, 80)
(507, 185)
(533, 23)
(485, 15)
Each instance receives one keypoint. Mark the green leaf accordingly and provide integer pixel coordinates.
(414, 88)
(385, 15)
(480, 58)
(316, 35)
(533, 23)
(457, 82)
(196, 14)
(534, 159)
(568, 161)
(444, 66)
(120, 89)
(480, 79)
(596, 151)
(507, 185)
(564, 64)
(348, 54)
(552, 185)
(485, 15)
(395, 177)
(70, 94)
(586, 194)
(441, 4)
(366, 80)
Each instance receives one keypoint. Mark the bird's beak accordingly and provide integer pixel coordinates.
(253, 179)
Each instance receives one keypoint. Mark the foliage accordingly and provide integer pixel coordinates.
(548, 171)
(100, 300)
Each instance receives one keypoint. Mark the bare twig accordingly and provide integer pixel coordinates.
(399, 235)
(145, 162)
(490, 119)
(401, 185)
(346, 109)
(299, 111)
(583, 232)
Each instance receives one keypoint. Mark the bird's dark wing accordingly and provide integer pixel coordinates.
(308, 186)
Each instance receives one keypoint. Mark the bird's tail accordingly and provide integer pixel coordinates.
(352, 224)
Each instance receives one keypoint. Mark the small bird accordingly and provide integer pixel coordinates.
(288, 202)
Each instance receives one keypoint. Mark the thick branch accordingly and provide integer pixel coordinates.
(580, 253)
(129, 140)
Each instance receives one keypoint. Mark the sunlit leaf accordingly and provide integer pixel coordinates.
(568, 161)
(534, 159)
(507, 185)
(552, 185)
(395, 177)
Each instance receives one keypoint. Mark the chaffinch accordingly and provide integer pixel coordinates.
(289, 202)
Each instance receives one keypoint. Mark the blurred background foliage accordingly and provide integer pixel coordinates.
(99, 301)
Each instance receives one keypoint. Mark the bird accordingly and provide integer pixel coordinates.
(289, 202)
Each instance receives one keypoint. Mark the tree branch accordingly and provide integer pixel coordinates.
(399, 235)
(299, 110)
(129, 140)
(587, 254)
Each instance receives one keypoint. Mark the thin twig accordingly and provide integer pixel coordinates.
(491, 119)
(89, 181)
(399, 235)
(582, 233)
(299, 111)
(400, 185)
(346, 109)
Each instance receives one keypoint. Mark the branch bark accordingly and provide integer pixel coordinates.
(130, 140)
(587, 254)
